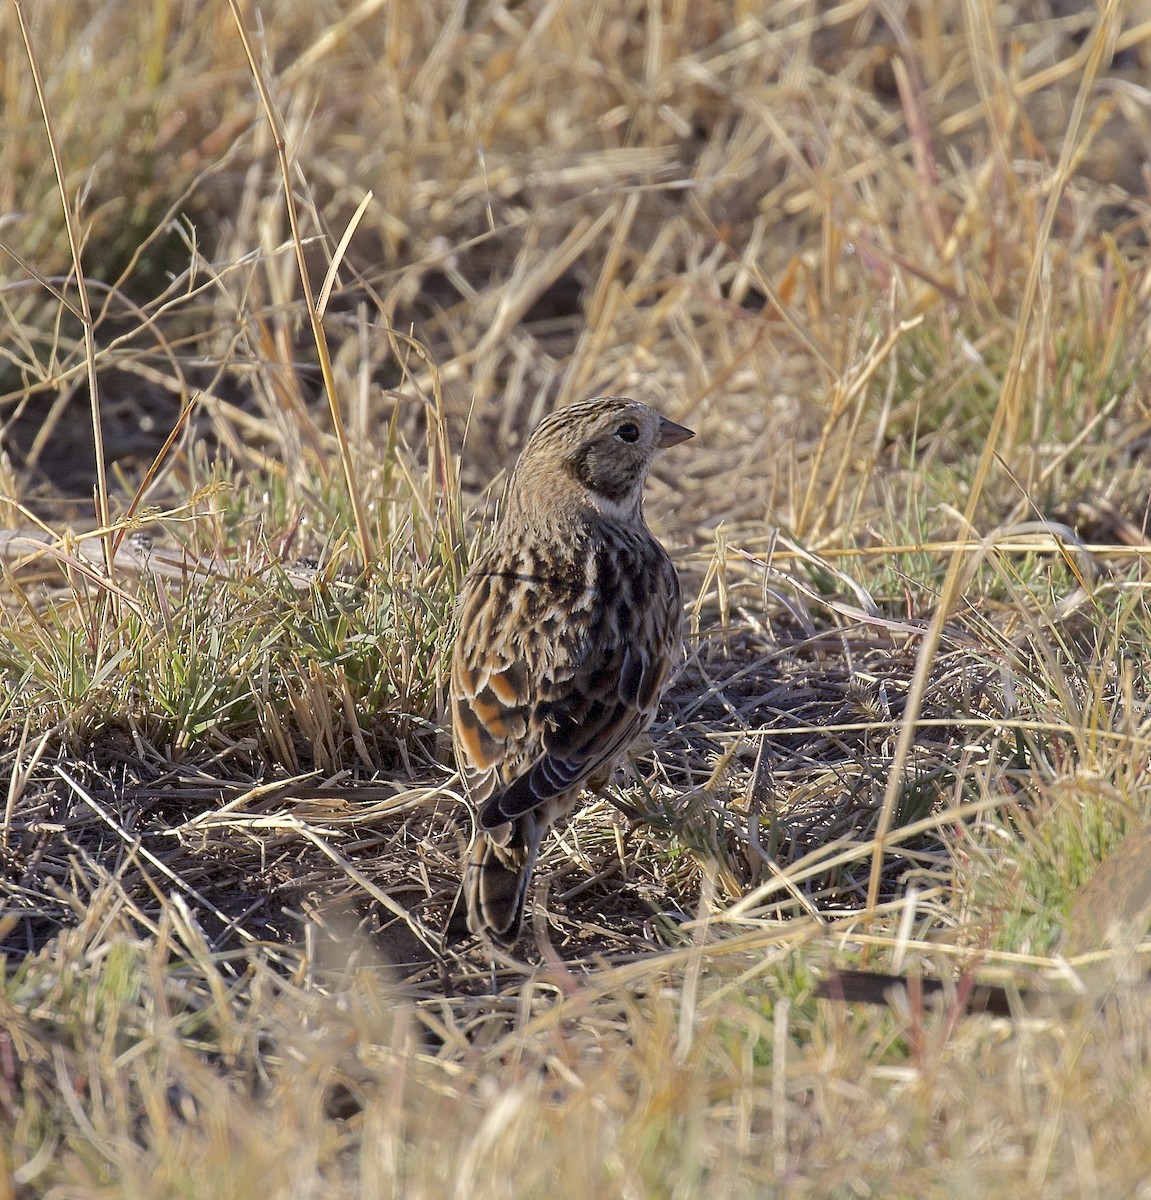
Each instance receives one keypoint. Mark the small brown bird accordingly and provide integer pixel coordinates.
(568, 626)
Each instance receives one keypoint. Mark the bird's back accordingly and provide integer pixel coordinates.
(541, 631)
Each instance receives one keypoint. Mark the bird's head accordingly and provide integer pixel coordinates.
(595, 452)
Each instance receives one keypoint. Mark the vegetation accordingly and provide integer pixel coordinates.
(284, 289)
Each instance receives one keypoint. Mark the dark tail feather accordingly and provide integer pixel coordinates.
(496, 887)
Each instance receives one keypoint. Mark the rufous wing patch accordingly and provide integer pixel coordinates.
(510, 685)
(474, 743)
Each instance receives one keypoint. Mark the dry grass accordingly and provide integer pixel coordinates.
(890, 263)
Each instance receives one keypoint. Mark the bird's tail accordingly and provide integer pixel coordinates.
(496, 880)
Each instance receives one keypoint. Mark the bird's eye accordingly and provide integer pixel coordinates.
(628, 432)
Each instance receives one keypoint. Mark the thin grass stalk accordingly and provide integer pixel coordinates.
(85, 313)
(363, 532)
(1006, 413)
(847, 389)
(152, 471)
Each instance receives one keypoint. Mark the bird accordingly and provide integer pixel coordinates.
(568, 625)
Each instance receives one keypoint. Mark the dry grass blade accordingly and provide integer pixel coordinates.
(315, 315)
(338, 256)
(1005, 416)
(103, 513)
(146, 854)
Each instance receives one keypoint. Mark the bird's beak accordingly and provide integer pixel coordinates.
(671, 434)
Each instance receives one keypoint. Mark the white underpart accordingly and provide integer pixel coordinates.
(613, 508)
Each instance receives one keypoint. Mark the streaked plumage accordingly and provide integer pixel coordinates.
(568, 626)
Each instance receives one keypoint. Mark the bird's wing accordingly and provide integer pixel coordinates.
(523, 739)
(580, 725)
(490, 712)
(583, 730)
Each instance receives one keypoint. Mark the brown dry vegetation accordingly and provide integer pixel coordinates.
(890, 262)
